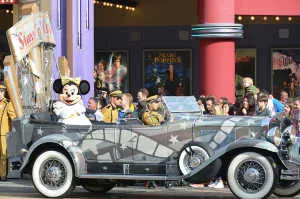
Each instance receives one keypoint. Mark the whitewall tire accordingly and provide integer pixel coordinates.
(251, 176)
(191, 157)
(52, 174)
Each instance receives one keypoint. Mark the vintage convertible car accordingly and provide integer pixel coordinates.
(256, 155)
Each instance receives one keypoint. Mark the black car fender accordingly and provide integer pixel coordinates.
(60, 143)
(236, 147)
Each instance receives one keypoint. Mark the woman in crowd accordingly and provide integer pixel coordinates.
(248, 105)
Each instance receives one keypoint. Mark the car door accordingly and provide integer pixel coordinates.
(100, 147)
(148, 149)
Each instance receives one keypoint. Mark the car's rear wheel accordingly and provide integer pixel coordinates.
(192, 156)
(287, 188)
(95, 187)
(52, 174)
(251, 176)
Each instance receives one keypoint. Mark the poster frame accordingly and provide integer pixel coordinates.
(128, 63)
(170, 50)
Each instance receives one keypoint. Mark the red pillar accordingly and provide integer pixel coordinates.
(217, 55)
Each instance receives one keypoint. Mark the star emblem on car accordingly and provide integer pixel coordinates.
(173, 139)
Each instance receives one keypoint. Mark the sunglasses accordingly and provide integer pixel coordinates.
(119, 98)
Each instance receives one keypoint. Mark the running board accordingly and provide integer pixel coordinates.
(128, 177)
(290, 174)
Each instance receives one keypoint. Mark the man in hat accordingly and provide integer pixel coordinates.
(7, 114)
(110, 112)
(151, 116)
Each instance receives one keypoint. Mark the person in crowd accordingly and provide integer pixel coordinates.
(152, 116)
(142, 95)
(262, 101)
(210, 103)
(102, 98)
(7, 114)
(226, 108)
(274, 105)
(249, 105)
(212, 107)
(92, 112)
(202, 104)
(127, 107)
(249, 86)
(284, 97)
(111, 112)
(287, 110)
(295, 115)
(223, 101)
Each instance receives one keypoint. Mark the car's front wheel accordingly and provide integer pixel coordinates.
(52, 174)
(192, 156)
(251, 176)
(287, 188)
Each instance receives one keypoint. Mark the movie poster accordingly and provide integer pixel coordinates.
(110, 71)
(286, 71)
(167, 72)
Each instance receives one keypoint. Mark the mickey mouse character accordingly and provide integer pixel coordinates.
(69, 109)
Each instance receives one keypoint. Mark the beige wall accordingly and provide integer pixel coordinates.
(149, 13)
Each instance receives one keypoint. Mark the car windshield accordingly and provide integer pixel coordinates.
(181, 104)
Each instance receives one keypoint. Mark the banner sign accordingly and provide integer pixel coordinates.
(286, 71)
(29, 33)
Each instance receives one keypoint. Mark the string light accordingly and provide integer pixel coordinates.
(108, 4)
(277, 18)
(252, 18)
(240, 18)
(7, 11)
(265, 18)
(290, 18)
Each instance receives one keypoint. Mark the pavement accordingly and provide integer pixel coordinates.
(24, 189)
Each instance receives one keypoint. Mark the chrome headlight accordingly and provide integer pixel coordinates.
(273, 135)
(291, 132)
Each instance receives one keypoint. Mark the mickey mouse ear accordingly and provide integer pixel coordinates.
(84, 87)
(57, 86)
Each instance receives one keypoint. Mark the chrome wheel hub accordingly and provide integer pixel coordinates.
(195, 162)
(251, 176)
(53, 174)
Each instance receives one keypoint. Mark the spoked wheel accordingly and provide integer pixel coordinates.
(95, 187)
(52, 174)
(287, 188)
(251, 176)
(191, 157)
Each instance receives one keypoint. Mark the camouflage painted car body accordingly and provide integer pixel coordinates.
(131, 150)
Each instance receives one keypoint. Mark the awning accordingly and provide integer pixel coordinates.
(8, 1)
